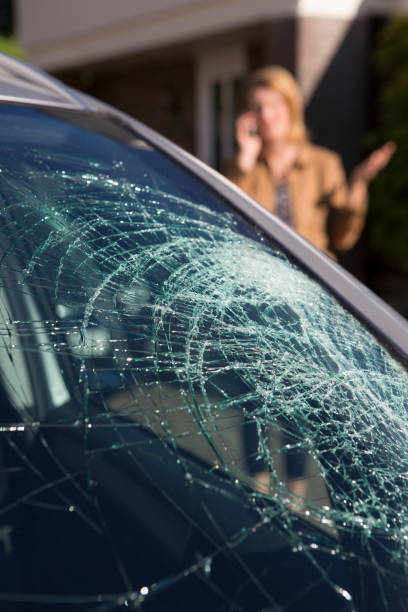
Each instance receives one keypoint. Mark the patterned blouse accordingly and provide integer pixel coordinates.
(283, 207)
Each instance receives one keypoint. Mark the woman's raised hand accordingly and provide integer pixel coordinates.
(366, 172)
(374, 163)
(248, 140)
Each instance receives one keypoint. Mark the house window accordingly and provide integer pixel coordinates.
(219, 73)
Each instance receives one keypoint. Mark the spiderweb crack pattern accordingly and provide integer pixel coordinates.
(179, 324)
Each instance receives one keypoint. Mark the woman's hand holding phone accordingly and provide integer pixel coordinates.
(248, 140)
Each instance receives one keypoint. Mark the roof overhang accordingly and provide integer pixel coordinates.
(63, 35)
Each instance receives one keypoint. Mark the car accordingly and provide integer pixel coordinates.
(163, 338)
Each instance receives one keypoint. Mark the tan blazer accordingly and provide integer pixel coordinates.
(318, 195)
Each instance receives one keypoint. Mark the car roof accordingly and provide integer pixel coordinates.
(21, 83)
(26, 85)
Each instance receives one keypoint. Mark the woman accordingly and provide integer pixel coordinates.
(303, 184)
(306, 187)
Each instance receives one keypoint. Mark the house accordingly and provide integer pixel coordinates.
(176, 64)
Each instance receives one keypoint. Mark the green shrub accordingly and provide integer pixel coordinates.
(388, 217)
(8, 44)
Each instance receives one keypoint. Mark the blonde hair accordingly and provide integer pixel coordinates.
(279, 79)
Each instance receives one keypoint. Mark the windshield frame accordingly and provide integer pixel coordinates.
(300, 253)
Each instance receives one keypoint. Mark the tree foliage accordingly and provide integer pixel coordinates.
(388, 221)
(9, 45)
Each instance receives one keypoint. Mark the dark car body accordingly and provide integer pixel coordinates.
(160, 331)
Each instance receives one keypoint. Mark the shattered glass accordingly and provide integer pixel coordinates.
(190, 422)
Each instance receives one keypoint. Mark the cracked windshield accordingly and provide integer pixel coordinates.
(199, 424)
